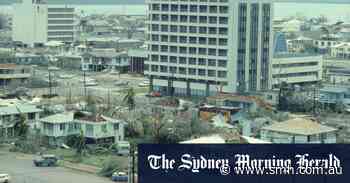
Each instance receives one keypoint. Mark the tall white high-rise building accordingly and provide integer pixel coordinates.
(35, 22)
(200, 47)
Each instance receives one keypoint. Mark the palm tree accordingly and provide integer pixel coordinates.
(328, 30)
(129, 99)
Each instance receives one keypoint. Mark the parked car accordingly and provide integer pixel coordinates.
(120, 177)
(46, 160)
(154, 94)
(121, 83)
(4, 178)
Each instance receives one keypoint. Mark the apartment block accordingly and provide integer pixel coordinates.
(202, 47)
(35, 23)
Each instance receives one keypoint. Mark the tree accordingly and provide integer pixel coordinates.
(80, 143)
(129, 99)
(328, 30)
(21, 127)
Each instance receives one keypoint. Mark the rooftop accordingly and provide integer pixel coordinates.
(335, 89)
(299, 126)
(59, 118)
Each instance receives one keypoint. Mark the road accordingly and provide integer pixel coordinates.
(21, 169)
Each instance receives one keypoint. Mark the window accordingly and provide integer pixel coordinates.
(155, 48)
(202, 51)
(173, 39)
(182, 60)
(211, 62)
(173, 70)
(174, 18)
(223, 31)
(193, 8)
(211, 73)
(192, 71)
(212, 30)
(223, 20)
(222, 63)
(31, 116)
(104, 128)
(203, 19)
(183, 29)
(184, 18)
(154, 68)
(193, 40)
(201, 72)
(223, 9)
(192, 61)
(163, 68)
(164, 58)
(173, 28)
(155, 27)
(202, 61)
(183, 39)
(164, 38)
(165, 7)
(202, 40)
(116, 127)
(193, 19)
(165, 28)
(62, 126)
(213, 9)
(222, 74)
(173, 59)
(164, 48)
(183, 50)
(183, 8)
(182, 70)
(203, 8)
(155, 58)
(223, 42)
(212, 41)
(222, 52)
(174, 8)
(155, 17)
(193, 29)
(212, 52)
(165, 18)
(155, 7)
(213, 20)
(173, 49)
(202, 30)
(155, 37)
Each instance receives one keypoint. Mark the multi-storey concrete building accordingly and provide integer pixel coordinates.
(35, 23)
(200, 47)
(301, 69)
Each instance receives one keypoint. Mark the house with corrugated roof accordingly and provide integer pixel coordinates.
(298, 130)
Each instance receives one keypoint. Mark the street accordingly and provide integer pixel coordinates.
(22, 170)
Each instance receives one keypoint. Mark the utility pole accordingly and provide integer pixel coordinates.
(84, 83)
(50, 83)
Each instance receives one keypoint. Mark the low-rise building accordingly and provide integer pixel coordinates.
(96, 129)
(298, 130)
(137, 59)
(298, 69)
(300, 44)
(335, 95)
(324, 45)
(101, 60)
(11, 111)
(12, 74)
(341, 51)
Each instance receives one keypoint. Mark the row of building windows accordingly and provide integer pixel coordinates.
(60, 33)
(193, 8)
(295, 65)
(60, 15)
(60, 21)
(185, 71)
(60, 27)
(60, 10)
(189, 50)
(194, 1)
(189, 39)
(301, 74)
(189, 19)
(188, 60)
(189, 29)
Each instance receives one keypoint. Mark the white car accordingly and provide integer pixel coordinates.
(4, 178)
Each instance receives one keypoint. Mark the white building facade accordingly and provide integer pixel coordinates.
(297, 69)
(198, 47)
(35, 23)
